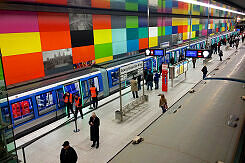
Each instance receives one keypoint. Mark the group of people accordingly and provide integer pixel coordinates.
(69, 100)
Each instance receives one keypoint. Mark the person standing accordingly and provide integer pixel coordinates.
(204, 71)
(215, 48)
(94, 123)
(163, 103)
(94, 94)
(134, 87)
(156, 80)
(237, 43)
(220, 55)
(194, 62)
(149, 80)
(219, 45)
(68, 100)
(68, 154)
(78, 104)
(145, 75)
(139, 82)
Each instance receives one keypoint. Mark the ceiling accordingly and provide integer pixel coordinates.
(234, 3)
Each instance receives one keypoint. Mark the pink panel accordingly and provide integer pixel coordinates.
(159, 21)
(18, 22)
(204, 32)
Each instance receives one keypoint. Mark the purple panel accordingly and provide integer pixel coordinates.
(168, 22)
(159, 22)
(18, 22)
(168, 10)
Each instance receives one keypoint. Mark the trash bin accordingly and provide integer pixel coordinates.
(117, 115)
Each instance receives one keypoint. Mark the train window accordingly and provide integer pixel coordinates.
(60, 98)
(45, 103)
(94, 81)
(73, 88)
(5, 114)
(85, 88)
(115, 77)
(22, 111)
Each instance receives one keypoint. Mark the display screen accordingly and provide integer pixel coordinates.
(73, 88)
(159, 52)
(197, 53)
(45, 103)
(22, 109)
(155, 52)
(190, 53)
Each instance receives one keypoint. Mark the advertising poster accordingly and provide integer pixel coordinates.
(45, 102)
(181, 69)
(22, 108)
(72, 88)
(185, 66)
(176, 71)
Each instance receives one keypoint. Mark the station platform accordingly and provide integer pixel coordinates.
(114, 136)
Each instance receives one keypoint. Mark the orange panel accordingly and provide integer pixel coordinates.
(180, 29)
(143, 43)
(102, 21)
(185, 28)
(100, 3)
(55, 40)
(19, 68)
(53, 22)
(58, 2)
(83, 54)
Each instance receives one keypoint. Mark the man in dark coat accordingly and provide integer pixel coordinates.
(94, 123)
(150, 80)
(220, 55)
(68, 154)
(204, 71)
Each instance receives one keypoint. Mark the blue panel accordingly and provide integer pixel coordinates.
(119, 47)
(133, 45)
(132, 33)
(142, 7)
(142, 21)
(175, 4)
(174, 29)
(119, 35)
(168, 4)
(168, 30)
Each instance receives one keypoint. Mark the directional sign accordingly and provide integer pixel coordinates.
(131, 70)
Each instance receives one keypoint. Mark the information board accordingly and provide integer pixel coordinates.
(131, 70)
(197, 53)
(155, 52)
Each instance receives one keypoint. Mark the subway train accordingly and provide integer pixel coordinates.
(37, 104)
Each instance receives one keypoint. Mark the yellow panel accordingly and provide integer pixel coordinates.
(20, 43)
(185, 35)
(102, 36)
(100, 60)
(153, 41)
(175, 21)
(185, 22)
(193, 34)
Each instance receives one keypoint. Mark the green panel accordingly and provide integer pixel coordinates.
(160, 31)
(143, 32)
(200, 27)
(1, 71)
(131, 6)
(145, 2)
(103, 50)
(132, 21)
(160, 3)
(163, 30)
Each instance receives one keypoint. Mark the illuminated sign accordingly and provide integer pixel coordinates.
(155, 52)
(197, 53)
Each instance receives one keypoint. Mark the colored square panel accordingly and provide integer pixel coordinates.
(119, 47)
(82, 38)
(102, 21)
(132, 33)
(168, 4)
(175, 4)
(159, 31)
(153, 42)
(168, 21)
(185, 36)
(23, 67)
(153, 31)
(118, 22)
(131, 6)
(118, 4)
(83, 54)
(18, 22)
(143, 32)
(163, 30)
(100, 3)
(20, 43)
(143, 43)
(119, 35)
(200, 27)
(159, 22)
(103, 50)
(185, 28)
(80, 21)
(56, 2)
(180, 29)
(105, 59)
(102, 36)
(174, 29)
(53, 22)
(143, 21)
(142, 7)
(132, 21)
(55, 40)
(193, 34)
(168, 30)
(153, 21)
(132, 45)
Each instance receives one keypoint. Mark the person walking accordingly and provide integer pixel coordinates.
(237, 44)
(78, 104)
(94, 123)
(156, 80)
(220, 55)
(215, 48)
(219, 45)
(68, 154)
(204, 71)
(145, 75)
(139, 82)
(194, 62)
(68, 100)
(163, 103)
(134, 87)
(94, 94)
(149, 80)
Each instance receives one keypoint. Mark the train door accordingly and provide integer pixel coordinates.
(106, 88)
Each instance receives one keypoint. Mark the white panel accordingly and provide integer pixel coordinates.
(153, 31)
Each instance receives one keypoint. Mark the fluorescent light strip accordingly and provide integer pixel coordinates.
(211, 6)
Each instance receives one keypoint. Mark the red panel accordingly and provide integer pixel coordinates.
(58, 2)
(180, 29)
(19, 68)
(53, 22)
(143, 43)
(83, 54)
(102, 21)
(55, 40)
(100, 3)
(185, 28)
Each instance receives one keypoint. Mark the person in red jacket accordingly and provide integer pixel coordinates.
(68, 100)
(78, 104)
(94, 94)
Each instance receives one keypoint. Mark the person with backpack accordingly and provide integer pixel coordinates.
(163, 103)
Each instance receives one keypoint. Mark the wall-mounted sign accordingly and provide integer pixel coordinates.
(155, 52)
(197, 53)
(164, 44)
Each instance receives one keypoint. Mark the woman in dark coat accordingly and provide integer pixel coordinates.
(94, 123)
